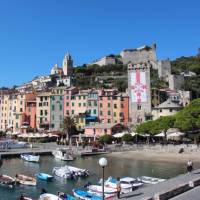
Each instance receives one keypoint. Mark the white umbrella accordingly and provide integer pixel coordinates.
(175, 134)
(162, 134)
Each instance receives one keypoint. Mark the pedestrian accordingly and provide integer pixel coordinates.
(118, 187)
(189, 166)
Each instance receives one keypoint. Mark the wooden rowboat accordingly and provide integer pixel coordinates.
(25, 180)
(7, 180)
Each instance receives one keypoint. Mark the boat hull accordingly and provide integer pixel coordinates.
(44, 177)
(30, 158)
(48, 196)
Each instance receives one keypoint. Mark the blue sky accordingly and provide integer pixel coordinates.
(35, 34)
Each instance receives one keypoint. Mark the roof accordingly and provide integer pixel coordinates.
(168, 104)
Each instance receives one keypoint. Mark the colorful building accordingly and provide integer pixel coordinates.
(43, 110)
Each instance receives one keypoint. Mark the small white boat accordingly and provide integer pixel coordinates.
(63, 172)
(63, 154)
(112, 183)
(150, 180)
(30, 157)
(78, 171)
(48, 196)
(7, 180)
(99, 189)
(129, 180)
(85, 195)
(25, 180)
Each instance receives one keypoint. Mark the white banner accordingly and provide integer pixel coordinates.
(138, 86)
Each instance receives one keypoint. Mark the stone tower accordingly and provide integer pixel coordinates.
(139, 91)
(67, 64)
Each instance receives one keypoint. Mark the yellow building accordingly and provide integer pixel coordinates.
(43, 110)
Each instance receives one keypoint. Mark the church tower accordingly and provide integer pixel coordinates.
(67, 65)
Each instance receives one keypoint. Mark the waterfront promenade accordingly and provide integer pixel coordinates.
(182, 187)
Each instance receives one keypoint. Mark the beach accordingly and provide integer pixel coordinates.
(156, 155)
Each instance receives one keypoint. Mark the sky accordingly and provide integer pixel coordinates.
(36, 34)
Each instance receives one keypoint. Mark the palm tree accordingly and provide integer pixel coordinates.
(69, 127)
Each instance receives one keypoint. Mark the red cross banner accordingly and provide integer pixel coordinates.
(138, 86)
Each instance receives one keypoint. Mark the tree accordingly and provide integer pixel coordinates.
(69, 127)
(127, 137)
(106, 139)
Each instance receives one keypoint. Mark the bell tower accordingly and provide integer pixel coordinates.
(67, 65)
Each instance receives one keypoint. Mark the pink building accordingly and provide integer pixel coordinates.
(102, 129)
(68, 98)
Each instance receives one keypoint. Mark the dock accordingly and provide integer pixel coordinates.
(182, 187)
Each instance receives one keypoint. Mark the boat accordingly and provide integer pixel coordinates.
(78, 171)
(48, 196)
(129, 180)
(24, 198)
(63, 154)
(150, 180)
(63, 172)
(84, 195)
(7, 180)
(98, 189)
(25, 180)
(112, 183)
(30, 157)
(44, 177)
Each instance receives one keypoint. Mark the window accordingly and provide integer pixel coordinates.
(101, 98)
(83, 97)
(67, 112)
(115, 105)
(53, 107)
(21, 110)
(95, 111)
(108, 98)
(115, 114)
(45, 112)
(72, 111)
(45, 98)
(109, 120)
(72, 103)
(67, 103)
(40, 104)
(60, 107)
(60, 97)
(41, 98)
(160, 110)
(53, 98)
(52, 125)
(40, 120)
(67, 97)
(52, 117)
(89, 103)
(17, 126)
(101, 113)
(17, 116)
(95, 103)
(41, 112)
(79, 104)
(84, 104)
(170, 110)
(108, 105)
(139, 107)
(109, 112)
(101, 105)
(121, 114)
(79, 97)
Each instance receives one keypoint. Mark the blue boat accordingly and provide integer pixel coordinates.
(84, 195)
(44, 177)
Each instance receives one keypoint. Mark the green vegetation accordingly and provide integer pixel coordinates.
(106, 139)
(127, 137)
(187, 119)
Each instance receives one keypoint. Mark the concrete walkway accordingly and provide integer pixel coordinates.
(152, 192)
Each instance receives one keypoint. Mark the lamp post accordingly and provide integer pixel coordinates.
(103, 163)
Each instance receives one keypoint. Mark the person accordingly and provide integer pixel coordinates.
(43, 191)
(189, 166)
(118, 187)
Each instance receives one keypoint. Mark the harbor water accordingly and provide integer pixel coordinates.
(116, 167)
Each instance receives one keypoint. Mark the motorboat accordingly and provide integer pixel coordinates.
(25, 180)
(48, 196)
(98, 189)
(44, 176)
(78, 171)
(63, 154)
(30, 157)
(85, 195)
(63, 172)
(129, 180)
(7, 180)
(112, 183)
(150, 180)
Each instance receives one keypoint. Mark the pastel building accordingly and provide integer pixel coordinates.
(30, 110)
(56, 109)
(69, 92)
(92, 104)
(43, 110)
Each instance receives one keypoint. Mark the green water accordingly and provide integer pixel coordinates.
(116, 167)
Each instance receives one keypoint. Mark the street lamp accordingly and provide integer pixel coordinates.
(103, 163)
